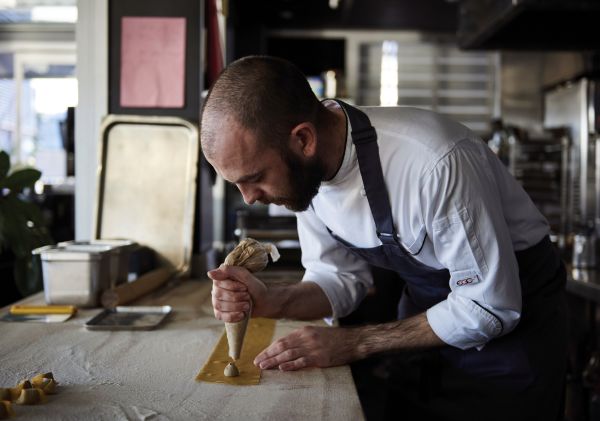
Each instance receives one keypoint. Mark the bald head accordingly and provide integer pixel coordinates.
(266, 95)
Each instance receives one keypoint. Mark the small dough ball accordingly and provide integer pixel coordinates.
(45, 382)
(31, 396)
(231, 370)
(6, 409)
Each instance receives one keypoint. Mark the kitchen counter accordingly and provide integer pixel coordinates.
(139, 375)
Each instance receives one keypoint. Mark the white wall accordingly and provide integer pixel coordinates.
(91, 36)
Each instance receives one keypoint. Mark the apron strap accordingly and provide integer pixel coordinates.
(364, 138)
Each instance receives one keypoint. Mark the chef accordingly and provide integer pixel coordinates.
(481, 320)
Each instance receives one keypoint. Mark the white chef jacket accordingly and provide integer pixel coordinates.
(454, 206)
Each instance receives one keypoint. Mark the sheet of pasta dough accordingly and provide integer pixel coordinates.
(258, 337)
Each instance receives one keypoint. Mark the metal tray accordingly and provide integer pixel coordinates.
(129, 318)
(146, 185)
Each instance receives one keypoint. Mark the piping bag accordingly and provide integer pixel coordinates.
(254, 256)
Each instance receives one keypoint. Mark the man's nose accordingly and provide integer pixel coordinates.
(250, 194)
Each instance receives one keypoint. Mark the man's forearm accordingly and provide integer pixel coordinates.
(307, 301)
(412, 333)
(301, 301)
(312, 346)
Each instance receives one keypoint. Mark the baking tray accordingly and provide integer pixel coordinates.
(146, 185)
(129, 318)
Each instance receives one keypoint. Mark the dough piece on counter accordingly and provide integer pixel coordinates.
(15, 392)
(5, 394)
(26, 393)
(231, 370)
(6, 409)
(31, 396)
(45, 382)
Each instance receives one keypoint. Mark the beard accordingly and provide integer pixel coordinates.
(304, 179)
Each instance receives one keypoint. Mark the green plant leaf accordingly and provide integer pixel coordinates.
(16, 232)
(24, 227)
(28, 277)
(20, 179)
(3, 241)
(4, 164)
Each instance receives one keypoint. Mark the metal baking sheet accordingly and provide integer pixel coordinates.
(147, 185)
(129, 318)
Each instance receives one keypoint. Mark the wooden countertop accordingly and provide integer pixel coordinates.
(150, 374)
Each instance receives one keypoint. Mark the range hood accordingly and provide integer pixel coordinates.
(529, 24)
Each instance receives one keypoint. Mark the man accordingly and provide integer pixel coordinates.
(406, 190)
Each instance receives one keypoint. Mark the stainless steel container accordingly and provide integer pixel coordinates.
(75, 277)
(120, 250)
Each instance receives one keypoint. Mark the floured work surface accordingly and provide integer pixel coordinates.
(258, 337)
(133, 375)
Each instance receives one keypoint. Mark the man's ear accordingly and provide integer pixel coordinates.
(304, 139)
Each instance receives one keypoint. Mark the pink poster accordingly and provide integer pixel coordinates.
(153, 62)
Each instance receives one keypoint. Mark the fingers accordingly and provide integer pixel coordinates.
(218, 273)
(227, 306)
(233, 285)
(236, 273)
(230, 300)
(230, 285)
(297, 364)
(288, 353)
(271, 351)
(230, 317)
(230, 307)
(290, 359)
(308, 346)
(225, 294)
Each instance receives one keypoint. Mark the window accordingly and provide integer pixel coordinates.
(42, 86)
(429, 74)
(37, 83)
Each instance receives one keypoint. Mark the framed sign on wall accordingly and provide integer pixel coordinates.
(155, 50)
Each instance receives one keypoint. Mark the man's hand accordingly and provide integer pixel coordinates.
(235, 291)
(311, 346)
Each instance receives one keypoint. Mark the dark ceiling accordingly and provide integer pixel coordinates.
(425, 15)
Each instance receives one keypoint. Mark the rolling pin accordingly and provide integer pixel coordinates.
(130, 291)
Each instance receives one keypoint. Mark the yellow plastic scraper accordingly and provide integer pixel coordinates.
(52, 309)
(43, 314)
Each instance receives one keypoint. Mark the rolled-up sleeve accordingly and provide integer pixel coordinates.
(343, 277)
(463, 215)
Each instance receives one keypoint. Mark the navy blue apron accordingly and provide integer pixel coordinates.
(526, 366)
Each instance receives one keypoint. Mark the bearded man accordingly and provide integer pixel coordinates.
(481, 320)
